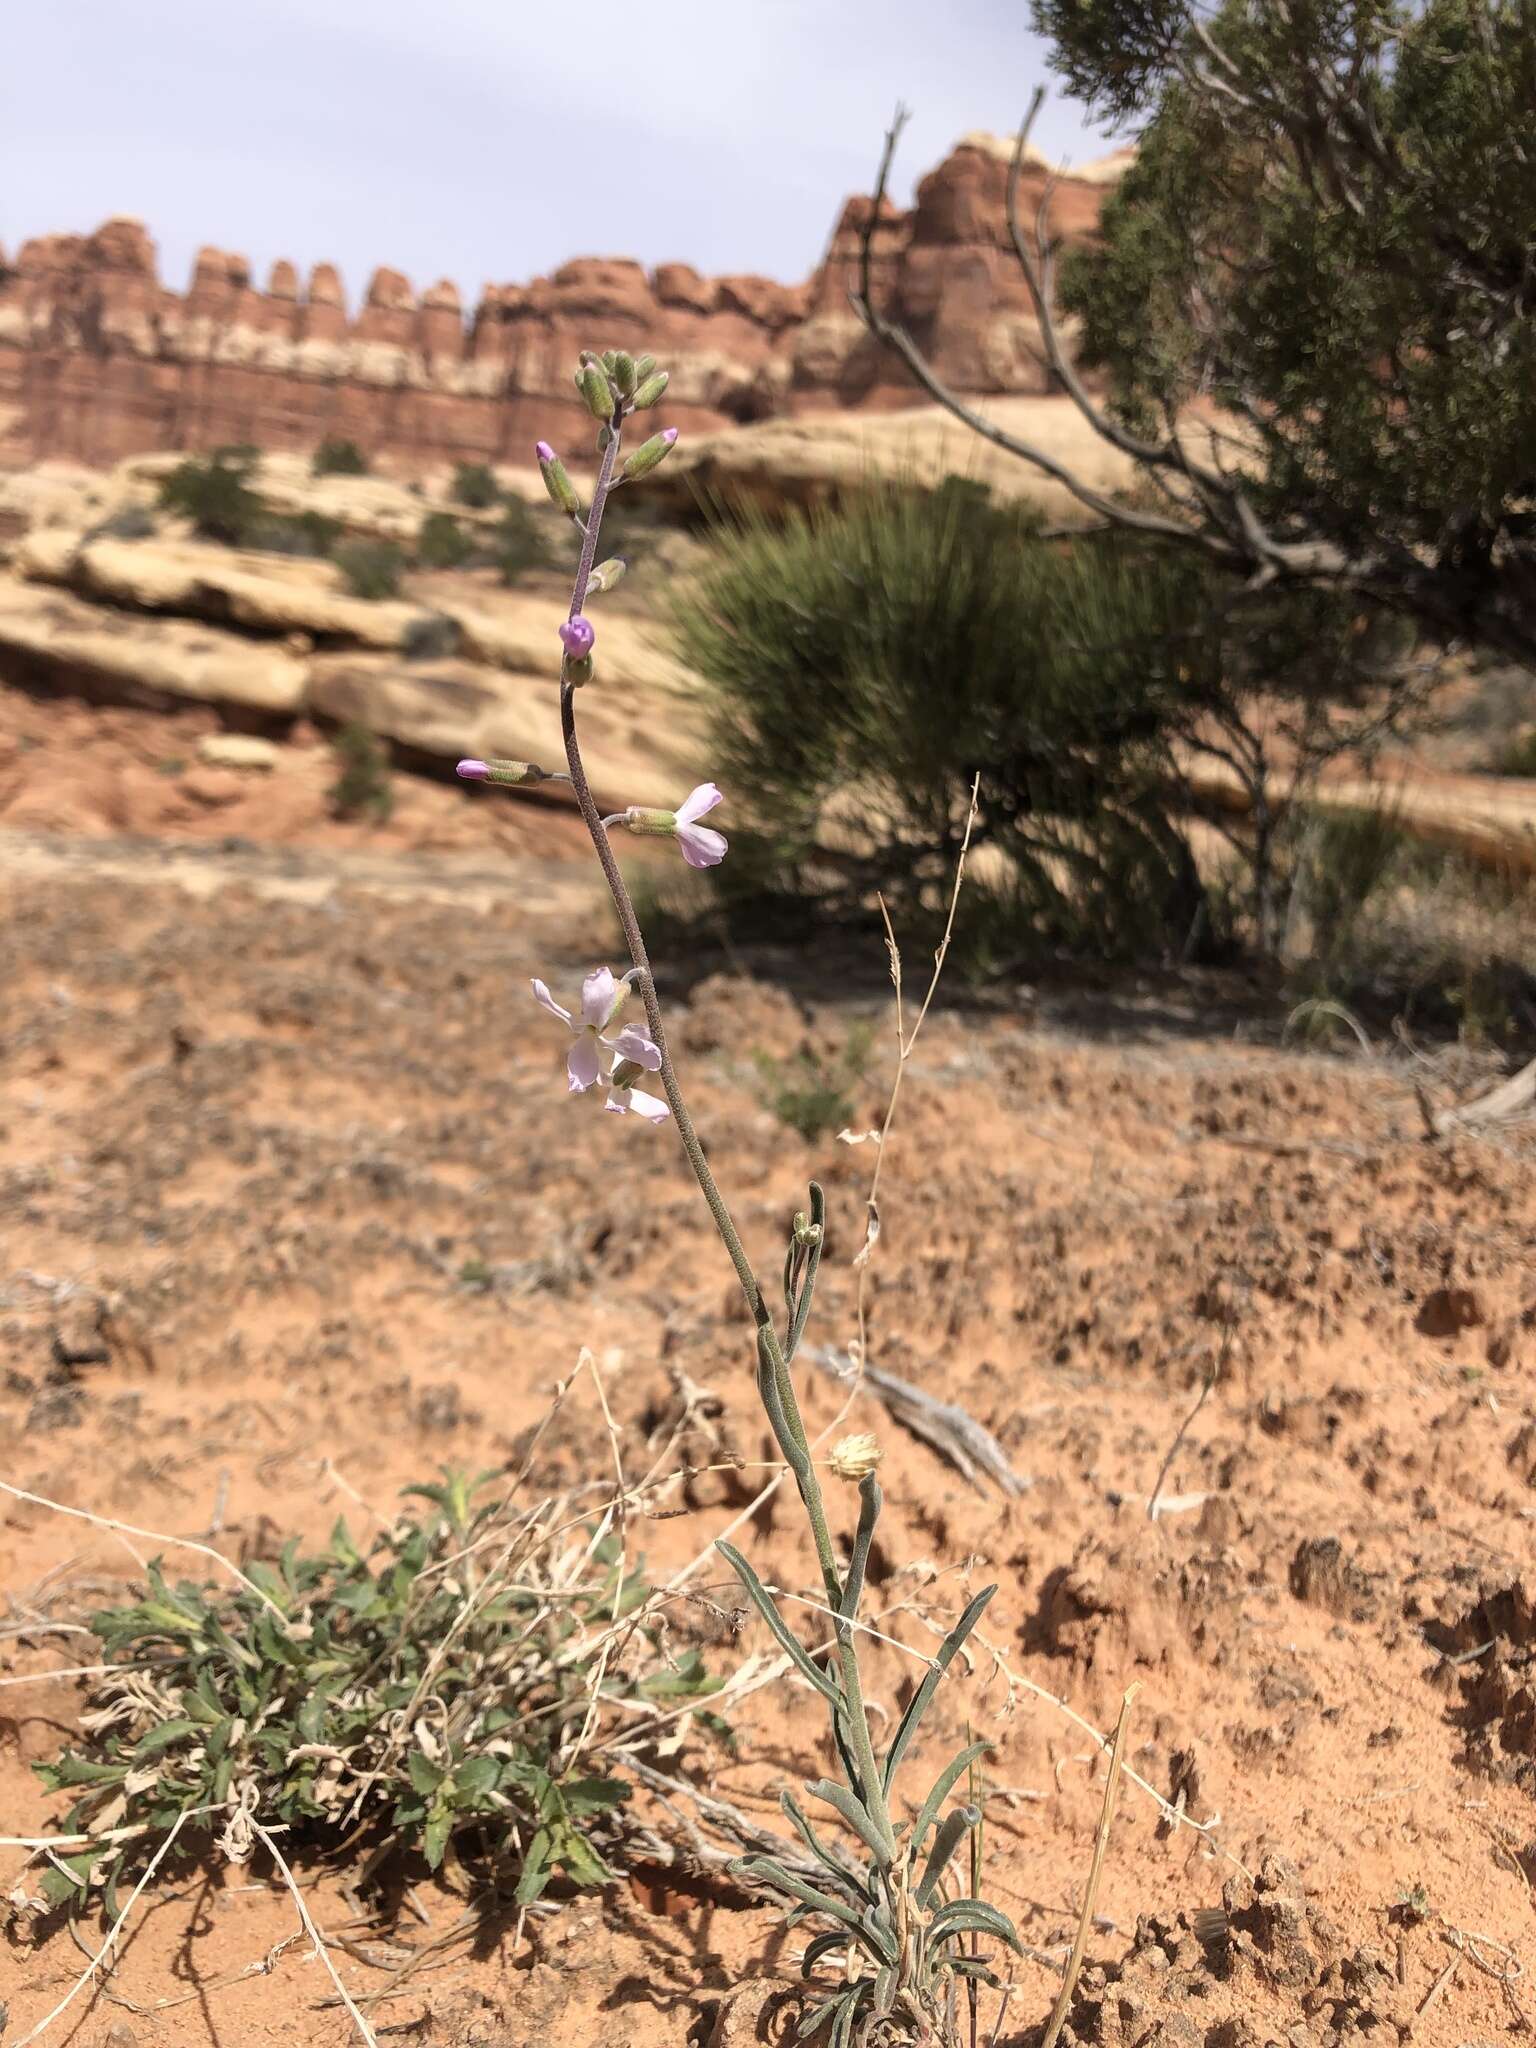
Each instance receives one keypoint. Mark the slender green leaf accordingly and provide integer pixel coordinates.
(942, 1787)
(961, 1916)
(842, 1801)
(952, 1829)
(813, 1842)
(823, 1945)
(164, 1736)
(869, 1514)
(786, 1640)
(767, 1872)
(918, 1706)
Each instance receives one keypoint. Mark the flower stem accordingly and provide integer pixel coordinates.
(793, 1442)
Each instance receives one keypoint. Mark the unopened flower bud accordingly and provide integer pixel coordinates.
(562, 491)
(659, 824)
(623, 373)
(649, 453)
(577, 637)
(643, 367)
(609, 357)
(604, 436)
(606, 574)
(651, 390)
(807, 1233)
(509, 772)
(855, 1457)
(597, 392)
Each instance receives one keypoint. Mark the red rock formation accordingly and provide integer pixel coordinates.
(98, 360)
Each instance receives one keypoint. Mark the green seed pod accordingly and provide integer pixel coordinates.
(651, 390)
(562, 492)
(606, 574)
(597, 392)
(624, 374)
(513, 772)
(625, 1074)
(578, 669)
(649, 453)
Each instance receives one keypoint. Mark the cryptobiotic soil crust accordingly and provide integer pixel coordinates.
(260, 1108)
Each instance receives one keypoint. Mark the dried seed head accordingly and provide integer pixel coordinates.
(855, 1457)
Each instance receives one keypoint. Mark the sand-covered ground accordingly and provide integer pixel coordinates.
(269, 1085)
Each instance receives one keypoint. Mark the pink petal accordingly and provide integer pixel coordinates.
(582, 1062)
(701, 846)
(598, 992)
(697, 802)
(632, 1044)
(651, 1107)
(542, 995)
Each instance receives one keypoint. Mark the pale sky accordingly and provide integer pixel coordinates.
(490, 140)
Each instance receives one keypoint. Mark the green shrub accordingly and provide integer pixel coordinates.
(1519, 756)
(306, 534)
(215, 495)
(370, 568)
(811, 1092)
(866, 660)
(902, 642)
(326, 1693)
(339, 458)
(474, 485)
(520, 542)
(432, 637)
(362, 787)
(129, 522)
(442, 542)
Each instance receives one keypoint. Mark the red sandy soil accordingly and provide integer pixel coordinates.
(259, 1104)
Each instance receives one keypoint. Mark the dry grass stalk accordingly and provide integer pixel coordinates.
(1095, 1871)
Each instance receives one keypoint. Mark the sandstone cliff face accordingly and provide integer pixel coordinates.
(99, 360)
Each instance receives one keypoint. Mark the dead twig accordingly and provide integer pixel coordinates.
(958, 1438)
(1095, 1871)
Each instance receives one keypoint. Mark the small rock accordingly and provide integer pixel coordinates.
(212, 787)
(238, 750)
(1448, 1311)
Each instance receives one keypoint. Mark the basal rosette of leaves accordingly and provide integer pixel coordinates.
(429, 1695)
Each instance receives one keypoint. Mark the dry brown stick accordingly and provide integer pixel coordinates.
(1435, 1990)
(317, 1939)
(1509, 1099)
(1095, 1870)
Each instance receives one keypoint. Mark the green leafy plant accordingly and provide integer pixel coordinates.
(474, 485)
(442, 542)
(811, 1091)
(362, 787)
(428, 1695)
(370, 568)
(306, 534)
(216, 496)
(1519, 756)
(339, 458)
(1323, 234)
(432, 637)
(129, 522)
(519, 543)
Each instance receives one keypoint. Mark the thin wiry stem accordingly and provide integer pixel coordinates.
(771, 1352)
